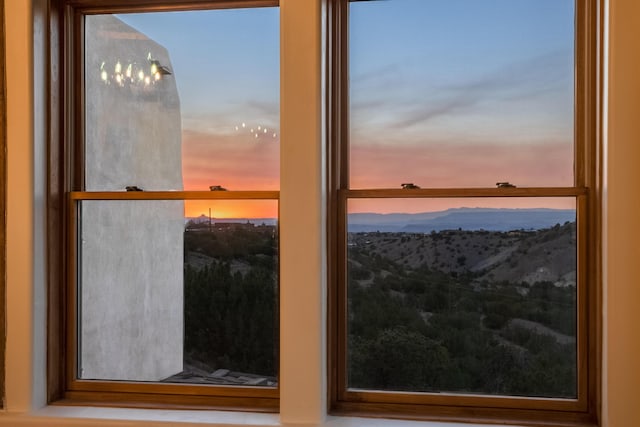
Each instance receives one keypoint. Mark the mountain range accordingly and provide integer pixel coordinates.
(490, 219)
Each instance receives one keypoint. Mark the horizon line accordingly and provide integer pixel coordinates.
(391, 213)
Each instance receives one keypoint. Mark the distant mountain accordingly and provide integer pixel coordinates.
(203, 219)
(490, 219)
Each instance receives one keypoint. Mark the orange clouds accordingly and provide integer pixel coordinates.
(232, 208)
(234, 161)
(462, 165)
(239, 161)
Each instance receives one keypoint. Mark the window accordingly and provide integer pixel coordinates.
(465, 210)
(88, 222)
(171, 173)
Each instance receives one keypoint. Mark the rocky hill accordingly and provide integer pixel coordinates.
(496, 256)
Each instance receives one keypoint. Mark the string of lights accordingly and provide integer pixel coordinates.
(256, 131)
(132, 73)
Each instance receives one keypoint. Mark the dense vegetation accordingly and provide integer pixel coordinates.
(231, 305)
(426, 329)
(455, 311)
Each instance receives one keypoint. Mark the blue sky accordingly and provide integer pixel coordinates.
(221, 58)
(443, 93)
(461, 92)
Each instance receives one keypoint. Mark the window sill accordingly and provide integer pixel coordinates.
(70, 416)
(62, 416)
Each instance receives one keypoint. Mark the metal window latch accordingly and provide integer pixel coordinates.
(409, 186)
(217, 188)
(133, 188)
(505, 185)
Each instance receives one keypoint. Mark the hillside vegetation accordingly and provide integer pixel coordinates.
(464, 311)
(231, 300)
(458, 311)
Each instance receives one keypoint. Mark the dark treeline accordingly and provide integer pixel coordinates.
(231, 319)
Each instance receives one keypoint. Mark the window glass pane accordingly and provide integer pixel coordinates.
(182, 100)
(461, 93)
(476, 296)
(167, 294)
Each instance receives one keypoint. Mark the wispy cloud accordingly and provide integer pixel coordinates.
(538, 82)
(377, 78)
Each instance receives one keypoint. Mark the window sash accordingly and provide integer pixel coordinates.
(347, 398)
(86, 7)
(132, 393)
(67, 161)
(466, 407)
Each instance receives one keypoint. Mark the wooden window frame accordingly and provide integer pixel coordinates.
(582, 411)
(66, 190)
(3, 203)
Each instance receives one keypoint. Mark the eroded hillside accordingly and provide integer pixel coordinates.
(513, 256)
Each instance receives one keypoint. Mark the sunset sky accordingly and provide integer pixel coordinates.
(443, 93)
(226, 67)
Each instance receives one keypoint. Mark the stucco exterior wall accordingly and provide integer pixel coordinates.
(131, 272)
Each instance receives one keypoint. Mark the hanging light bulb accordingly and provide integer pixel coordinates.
(103, 73)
